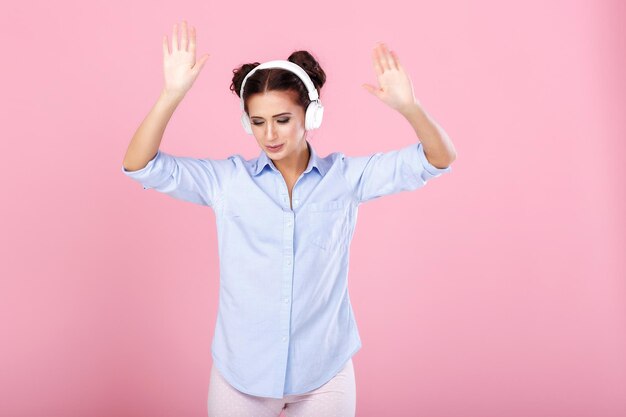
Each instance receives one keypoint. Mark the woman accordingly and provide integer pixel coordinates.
(285, 331)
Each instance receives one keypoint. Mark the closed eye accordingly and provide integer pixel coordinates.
(283, 121)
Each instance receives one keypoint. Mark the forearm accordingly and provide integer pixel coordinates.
(147, 139)
(438, 147)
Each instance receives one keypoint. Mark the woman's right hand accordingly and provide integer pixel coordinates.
(180, 68)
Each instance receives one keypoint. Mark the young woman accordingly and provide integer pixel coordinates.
(285, 331)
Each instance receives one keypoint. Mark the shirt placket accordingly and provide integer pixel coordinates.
(287, 270)
(287, 274)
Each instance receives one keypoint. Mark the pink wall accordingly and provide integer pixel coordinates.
(496, 290)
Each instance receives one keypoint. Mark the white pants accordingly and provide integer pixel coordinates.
(336, 398)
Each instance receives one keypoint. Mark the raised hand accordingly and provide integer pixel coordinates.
(180, 68)
(396, 89)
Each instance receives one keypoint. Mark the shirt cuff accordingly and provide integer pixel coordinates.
(430, 168)
(145, 174)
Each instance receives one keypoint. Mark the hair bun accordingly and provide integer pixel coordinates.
(310, 65)
(239, 74)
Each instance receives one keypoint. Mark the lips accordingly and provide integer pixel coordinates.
(275, 148)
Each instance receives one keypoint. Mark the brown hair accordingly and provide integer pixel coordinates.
(279, 79)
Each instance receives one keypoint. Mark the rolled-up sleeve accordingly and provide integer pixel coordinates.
(190, 179)
(385, 173)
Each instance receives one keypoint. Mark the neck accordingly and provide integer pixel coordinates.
(293, 167)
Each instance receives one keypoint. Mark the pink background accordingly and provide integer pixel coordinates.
(496, 290)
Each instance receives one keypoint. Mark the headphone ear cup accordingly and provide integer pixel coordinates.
(314, 115)
(245, 122)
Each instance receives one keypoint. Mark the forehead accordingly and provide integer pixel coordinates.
(270, 103)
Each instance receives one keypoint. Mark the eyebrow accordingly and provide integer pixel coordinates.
(276, 115)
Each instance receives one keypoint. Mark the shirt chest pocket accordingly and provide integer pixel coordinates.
(328, 223)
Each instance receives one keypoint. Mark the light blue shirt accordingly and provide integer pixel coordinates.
(285, 324)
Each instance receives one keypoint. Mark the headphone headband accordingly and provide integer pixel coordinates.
(288, 65)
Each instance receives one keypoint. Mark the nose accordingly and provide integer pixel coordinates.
(270, 131)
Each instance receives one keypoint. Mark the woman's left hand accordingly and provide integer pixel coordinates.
(396, 89)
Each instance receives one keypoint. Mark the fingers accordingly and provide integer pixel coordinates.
(184, 42)
(192, 42)
(175, 38)
(383, 55)
(187, 41)
(376, 61)
(166, 51)
(386, 59)
(395, 61)
(373, 90)
(200, 63)
(382, 58)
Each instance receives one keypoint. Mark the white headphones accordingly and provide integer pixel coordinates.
(314, 112)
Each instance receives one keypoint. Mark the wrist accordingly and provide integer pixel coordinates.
(171, 96)
(410, 109)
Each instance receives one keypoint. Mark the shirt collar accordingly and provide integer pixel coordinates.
(314, 161)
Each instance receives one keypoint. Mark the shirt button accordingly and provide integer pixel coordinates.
(286, 300)
(289, 223)
(284, 338)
